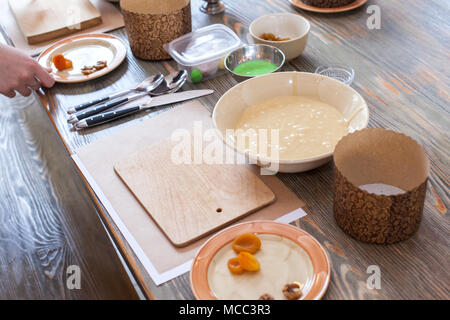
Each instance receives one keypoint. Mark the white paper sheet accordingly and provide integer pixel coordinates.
(157, 277)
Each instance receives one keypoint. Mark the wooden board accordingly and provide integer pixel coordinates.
(188, 201)
(43, 20)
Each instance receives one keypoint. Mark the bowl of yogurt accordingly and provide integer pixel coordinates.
(289, 121)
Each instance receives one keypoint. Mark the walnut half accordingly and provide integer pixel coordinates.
(100, 65)
(87, 70)
(293, 291)
(266, 296)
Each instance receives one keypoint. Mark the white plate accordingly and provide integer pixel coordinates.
(315, 263)
(85, 50)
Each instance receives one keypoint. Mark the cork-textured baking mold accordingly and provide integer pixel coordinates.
(378, 156)
(152, 23)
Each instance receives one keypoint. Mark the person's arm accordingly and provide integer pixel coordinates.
(19, 72)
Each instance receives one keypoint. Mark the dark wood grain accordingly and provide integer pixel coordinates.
(47, 219)
(411, 100)
(401, 70)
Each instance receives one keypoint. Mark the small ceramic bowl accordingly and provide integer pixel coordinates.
(256, 90)
(282, 25)
(253, 52)
(316, 282)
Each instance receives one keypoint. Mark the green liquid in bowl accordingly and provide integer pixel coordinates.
(255, 68)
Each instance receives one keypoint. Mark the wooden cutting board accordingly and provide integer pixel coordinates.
(43, 20)
(189, 201)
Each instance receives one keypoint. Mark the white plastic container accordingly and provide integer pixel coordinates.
(204, 50)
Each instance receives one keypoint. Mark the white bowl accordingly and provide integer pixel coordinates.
(284, 25)
(250, 92)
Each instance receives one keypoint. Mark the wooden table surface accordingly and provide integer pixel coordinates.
(48, 221)
(403, 73)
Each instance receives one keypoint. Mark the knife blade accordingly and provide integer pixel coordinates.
(151, 103)
(177, 97)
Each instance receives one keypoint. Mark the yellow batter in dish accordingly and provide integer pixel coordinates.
(307, 127)
(281, 261)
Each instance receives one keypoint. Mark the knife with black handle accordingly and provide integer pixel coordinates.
(106, 117)
(97, 101)
(153, 102)
(103, 107)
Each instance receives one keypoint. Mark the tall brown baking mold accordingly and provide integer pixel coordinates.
(379, 156)
(152, 23)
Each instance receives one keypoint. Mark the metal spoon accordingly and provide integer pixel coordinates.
(151, 82)
(172, 82)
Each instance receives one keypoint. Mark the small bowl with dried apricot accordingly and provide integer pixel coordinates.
(260, 260)
(285, 31)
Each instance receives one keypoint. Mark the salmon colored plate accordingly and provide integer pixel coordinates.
(210, 261)
(299, 4)
(85, 50)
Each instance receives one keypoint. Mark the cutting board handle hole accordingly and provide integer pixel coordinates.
(219, 210)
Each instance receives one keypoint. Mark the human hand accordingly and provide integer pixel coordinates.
(19, 72)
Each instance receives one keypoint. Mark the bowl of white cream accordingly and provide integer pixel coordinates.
(289, 121)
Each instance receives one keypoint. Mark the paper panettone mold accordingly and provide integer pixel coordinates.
(152, 23)
(379, 156)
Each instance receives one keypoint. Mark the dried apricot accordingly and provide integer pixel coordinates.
(246, 242)
(234, 265)
(248, 262)
(61, 63)
(68, 64)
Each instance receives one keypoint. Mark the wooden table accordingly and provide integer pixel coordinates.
(401, 70)
(48, 221)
